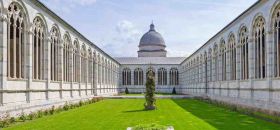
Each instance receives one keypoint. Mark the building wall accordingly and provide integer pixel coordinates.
(26, 94)
(141, 88)
(198, 76)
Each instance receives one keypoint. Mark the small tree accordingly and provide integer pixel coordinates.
(126, 91)
(150, 92)
(174, 90)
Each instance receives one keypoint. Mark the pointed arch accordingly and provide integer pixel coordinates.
(232, 55)
(38, 49)
(223, 56)
(138, 76)
(174, 76)
(83, 64)
(76, 61)
(16, 34)
(259, 47)
(66, 57)
(276, 35)
(126, 76)
(244, 52)
(55, 42)
(162, 76)
(216, 62)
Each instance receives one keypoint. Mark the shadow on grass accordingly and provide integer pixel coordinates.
(140, 110)
(224, 119)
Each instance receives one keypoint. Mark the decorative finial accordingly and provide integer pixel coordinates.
(152, 26)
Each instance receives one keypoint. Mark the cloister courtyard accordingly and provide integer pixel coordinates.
(118, 114)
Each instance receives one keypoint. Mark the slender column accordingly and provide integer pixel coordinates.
(60, 66)
(4, 50)
(48, 62)
(270, 66)
(238, 63)
(95, 77)
(14, 49)
(19, 50)
(29, 64)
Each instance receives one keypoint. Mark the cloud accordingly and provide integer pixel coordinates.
(125, 39)
(127, 32)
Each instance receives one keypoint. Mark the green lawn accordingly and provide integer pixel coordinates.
(140, 94)
(118, 114)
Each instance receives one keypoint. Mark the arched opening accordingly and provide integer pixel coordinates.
(260, 47)
(38, 62)
(138, 77)
(16, 45)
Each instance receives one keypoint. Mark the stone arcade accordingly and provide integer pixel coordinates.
(44, 61)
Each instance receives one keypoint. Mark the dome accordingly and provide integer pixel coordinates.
(152, 38)
(152, 44)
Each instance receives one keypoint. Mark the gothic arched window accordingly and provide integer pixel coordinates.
(76, 60)
(126, 76)
(223, 55)
(38, 49)
(16, 47)
(138, 77)
(260, 47)
(210, 78)
(55, 41)
(244, 47)
(232, 54)
(162, 76)
(84, 64)
(66, 58)
(174, 76)
(276, 32)
(216, 62)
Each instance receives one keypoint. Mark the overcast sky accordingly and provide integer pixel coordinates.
(116, 26)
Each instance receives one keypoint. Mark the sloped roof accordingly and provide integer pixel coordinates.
(150, 60)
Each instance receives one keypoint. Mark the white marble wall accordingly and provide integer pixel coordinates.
(261, 93)
(27, 93)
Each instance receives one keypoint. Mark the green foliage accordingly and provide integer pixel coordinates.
(152, 126)
(66, 106)
(12, 120)
(126, 91)
(39, 114)
(150, 92)
(174, 91)
(52, 110)
(22, 117)
(31, 116)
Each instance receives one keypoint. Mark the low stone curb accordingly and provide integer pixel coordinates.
(141, 97)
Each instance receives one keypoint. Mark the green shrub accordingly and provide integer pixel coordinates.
(66, 106)
(31, 116)
(12, 120)
(174, 91)
(39, 114)
(4, 123)
(22, 117)
(81, 103)
(126, 91)
(150, 92)
(52, 110)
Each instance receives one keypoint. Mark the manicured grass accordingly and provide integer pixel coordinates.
(140, 94)
(118, 114)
